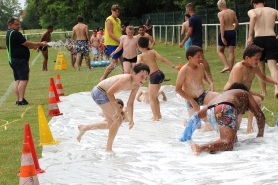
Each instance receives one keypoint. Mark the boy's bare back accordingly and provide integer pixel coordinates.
(149, 57)
(229, 18)
(81, 31)
(265, 21)
(119, 82)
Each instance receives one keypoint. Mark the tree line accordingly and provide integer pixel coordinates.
(62, 13)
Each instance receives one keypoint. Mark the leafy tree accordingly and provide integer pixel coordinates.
(8, 9)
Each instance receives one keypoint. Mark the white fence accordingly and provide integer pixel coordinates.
(178, 28)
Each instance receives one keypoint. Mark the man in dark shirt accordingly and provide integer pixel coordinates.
(195, 33)
(19, 54)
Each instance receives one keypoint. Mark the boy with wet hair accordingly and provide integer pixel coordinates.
(156, 76)
(223, 111)
(103, 95)
(189, 84)
(244, 72)
(129, 44)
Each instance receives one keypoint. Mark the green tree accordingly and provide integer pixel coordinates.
(8, 9)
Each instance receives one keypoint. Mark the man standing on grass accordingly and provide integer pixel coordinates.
(81, 31)
(19, 55)
(112, 34)
(195, 34)
(227, 36)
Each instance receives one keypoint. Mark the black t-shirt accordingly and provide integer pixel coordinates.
(17, 49)
(196, 23)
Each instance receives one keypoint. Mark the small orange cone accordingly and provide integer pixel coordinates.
(46, 137)
(54, 90)
(28, 174)
(29, 139)
(59, 86)
(53, 107)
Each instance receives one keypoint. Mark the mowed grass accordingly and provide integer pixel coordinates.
(13, 118)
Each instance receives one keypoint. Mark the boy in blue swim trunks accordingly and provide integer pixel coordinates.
(156, 76)
(103, 95)
(189, 84)
(223, 111)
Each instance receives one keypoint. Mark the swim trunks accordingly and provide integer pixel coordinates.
(99, 95)
(43, 48)
(111, 49)
(82, 47)
(270, 46)
(199, 100)
(223, 114)
(132, 60)
(187, 44)
(95, 51)
(229, 36)
(157, 77)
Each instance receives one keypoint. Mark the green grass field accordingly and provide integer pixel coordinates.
(13, 118)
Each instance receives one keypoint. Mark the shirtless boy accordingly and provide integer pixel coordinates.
(101, 42)
(227, 36)
(184, 29)
(262, 21)
(103, 95)
(224, 110)
(95, 45)
(143, 96)
(156, 76)
(46, 37)
(129, 44)
(80, 30)
(142, 33)
(189, 84)
(244, 72)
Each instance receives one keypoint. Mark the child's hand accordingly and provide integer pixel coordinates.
(164, 99)
(112, 53)
(211, 88)
(117, 114)
(131, 123)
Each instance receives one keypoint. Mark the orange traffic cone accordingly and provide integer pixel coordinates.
(59, 86)
(29, 139)
(54, 90)
(28, 174)
(53, 107)
(46, 137)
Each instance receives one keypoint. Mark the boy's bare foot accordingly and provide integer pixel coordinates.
(195, 149)
(207, 128)
(225, 70)
(82, 129)
(276, 94)
(249, 130)
(109, 151)
(154, 119)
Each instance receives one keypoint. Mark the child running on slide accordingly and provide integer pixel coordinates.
(103, 95)
(156, 76)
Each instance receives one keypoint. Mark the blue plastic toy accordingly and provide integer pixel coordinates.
(193, 123)
(102, 63)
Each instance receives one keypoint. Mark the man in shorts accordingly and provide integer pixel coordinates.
(112, 34)
(19, 55)
(262, 21)
(80, 30)
(227, 37)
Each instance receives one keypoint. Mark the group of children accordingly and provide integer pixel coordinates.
(224, 108)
